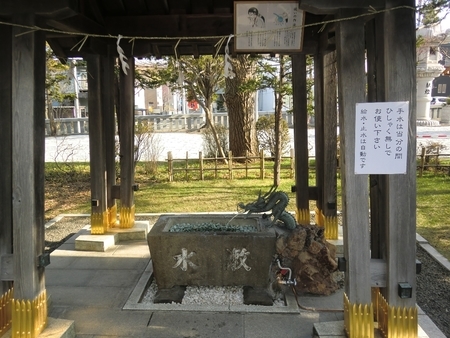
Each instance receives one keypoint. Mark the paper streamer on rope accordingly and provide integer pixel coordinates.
(122, 56)
(180, 73)
(228, 72)
(81, 43)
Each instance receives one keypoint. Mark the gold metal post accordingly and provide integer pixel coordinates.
(29, 317)
(126, 217)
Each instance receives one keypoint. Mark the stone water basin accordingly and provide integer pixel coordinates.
(211, 258)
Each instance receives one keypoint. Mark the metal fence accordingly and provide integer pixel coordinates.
(161, 123)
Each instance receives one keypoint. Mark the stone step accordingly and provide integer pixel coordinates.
(105, 241)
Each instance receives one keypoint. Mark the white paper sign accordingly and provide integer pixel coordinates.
(268, 26)
(381, 137)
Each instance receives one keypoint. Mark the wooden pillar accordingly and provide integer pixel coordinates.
(376, 93)
(6, 222)
(329, 156)
(400, 85)
(355, 200)
(126, 117)
(99, 213)
(319, 140)
(109, 125)
(301, 138)
(28, 145)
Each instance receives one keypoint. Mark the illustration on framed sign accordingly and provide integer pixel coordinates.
(268, 26)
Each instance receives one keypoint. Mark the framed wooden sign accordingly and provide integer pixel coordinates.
(261, 26)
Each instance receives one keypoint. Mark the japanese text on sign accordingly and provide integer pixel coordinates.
(381, 137)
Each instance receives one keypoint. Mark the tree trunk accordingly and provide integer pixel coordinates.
(51, 118)
(241, 109)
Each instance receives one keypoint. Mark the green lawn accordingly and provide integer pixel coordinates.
(433, 210)
(67, 191)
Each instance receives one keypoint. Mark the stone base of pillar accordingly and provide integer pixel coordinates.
(6, 311)
(127, 217)
(329, 223)
(303, 216)
(99, 222)
(358, 319)
(29, 317)
(396, 321)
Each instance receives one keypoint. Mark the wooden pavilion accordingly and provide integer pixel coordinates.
(357, 54)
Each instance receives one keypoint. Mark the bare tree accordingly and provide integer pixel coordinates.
(203, 77)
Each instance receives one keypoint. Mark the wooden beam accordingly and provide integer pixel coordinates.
(376, 93)
(158, 6)
(378, 273)
(113, 6)
(318, 126)
(98, 46)
(195, 51)
(77, 23)
(126, 136)
(57, 49)
(350, 45)
(28, 144)
(96, 139)
(135, 7)
(47, 8)
(170, 25)
(6, 269)
(6, 230)
(109, 83)
(96, 11)
(300, 132)
(329, 187)
(331, 7)
(400, 79)
(156, 51)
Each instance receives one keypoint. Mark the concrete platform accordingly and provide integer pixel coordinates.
(100, 292)
(56, 328)
(336, 329)
(87, 242)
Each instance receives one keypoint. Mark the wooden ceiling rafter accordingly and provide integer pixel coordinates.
(77, 23)
(93, 8)
(164, 21)
(111, 7)
(321, 7)
(135, 7)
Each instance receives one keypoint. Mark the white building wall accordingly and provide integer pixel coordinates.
(266, 100)
(139, 98)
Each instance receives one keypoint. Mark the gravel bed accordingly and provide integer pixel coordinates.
(433, 283)
(207, 295)
(433, 291)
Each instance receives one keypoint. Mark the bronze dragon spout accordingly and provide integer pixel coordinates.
(276, 201)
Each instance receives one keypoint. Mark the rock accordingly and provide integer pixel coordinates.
(311, 258)
(315, 247)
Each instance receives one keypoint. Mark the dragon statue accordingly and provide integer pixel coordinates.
(276, 201)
